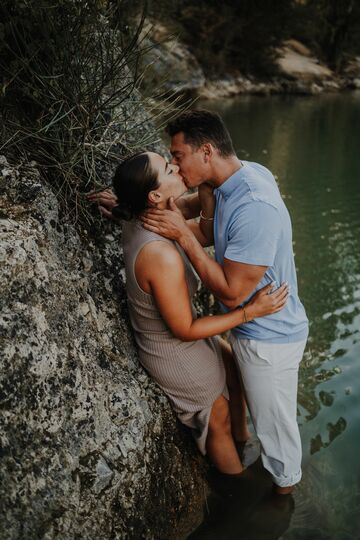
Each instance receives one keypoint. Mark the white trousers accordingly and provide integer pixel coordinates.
(269, 373)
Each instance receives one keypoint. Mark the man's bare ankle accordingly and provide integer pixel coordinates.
(283, 490)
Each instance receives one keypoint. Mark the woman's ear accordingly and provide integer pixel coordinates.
(154, 197)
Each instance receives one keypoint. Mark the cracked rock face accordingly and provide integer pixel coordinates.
(90, 447)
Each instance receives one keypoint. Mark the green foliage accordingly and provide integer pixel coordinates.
(69, 71)
(69, 99)
(234, 34)
(245, 34)
(330, 27)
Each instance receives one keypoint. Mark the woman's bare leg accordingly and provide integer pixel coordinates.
(220, 444)
(237, 395)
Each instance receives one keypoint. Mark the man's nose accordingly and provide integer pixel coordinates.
(173, 161)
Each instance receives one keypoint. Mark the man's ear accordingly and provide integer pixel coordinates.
(154, 197)
(208, 151)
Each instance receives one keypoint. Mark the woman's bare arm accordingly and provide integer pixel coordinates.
(160, 271)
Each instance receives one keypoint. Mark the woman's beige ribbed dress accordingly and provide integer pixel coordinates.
(191, 374)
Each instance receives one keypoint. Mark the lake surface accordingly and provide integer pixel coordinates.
(312, 145)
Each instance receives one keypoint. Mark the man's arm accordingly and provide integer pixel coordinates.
(189, 205)
(204, 229)
(194, 226)
(231, 283)
(207, 203)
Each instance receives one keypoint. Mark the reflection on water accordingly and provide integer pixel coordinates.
(334, 431)
(312, 146)
(246, 509)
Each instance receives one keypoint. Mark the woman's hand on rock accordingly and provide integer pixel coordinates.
(106, 201)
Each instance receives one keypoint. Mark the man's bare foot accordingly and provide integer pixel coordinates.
(283, 490)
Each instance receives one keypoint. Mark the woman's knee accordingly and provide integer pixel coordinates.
(232, 375)
(220, 416)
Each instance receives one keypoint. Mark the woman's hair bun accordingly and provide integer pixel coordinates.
(122, 212)
(133, 180)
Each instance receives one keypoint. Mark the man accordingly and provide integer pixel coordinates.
(253, 247)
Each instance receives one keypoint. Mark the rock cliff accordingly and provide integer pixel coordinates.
(90, 447)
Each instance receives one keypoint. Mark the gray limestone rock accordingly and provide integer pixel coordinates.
(90, 447)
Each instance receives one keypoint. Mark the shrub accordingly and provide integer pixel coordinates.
(69, 100)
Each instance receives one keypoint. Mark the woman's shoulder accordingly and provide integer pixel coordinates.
(160, 260)
(161, 248)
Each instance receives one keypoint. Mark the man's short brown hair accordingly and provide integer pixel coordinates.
(202, 126)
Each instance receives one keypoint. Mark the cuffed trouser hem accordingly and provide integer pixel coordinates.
(287, 481)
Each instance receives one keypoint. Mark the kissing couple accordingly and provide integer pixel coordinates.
(241, 212)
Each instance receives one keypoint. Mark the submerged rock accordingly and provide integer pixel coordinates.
(90, 446)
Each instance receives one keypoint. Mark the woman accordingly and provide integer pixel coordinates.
(178, 350)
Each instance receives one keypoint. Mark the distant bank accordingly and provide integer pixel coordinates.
(172, 66)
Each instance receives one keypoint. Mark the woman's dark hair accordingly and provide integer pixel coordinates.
(200, 127)
(134, 178)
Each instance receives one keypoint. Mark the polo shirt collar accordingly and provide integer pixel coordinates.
(227, 188)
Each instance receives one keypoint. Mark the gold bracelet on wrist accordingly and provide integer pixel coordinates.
(205, 218)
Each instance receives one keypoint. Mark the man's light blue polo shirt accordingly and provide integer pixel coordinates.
(252, 225)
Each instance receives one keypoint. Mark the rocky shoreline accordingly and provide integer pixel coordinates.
(298, 73)
(172, 67)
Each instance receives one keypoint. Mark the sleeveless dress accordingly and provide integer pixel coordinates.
(191, 374)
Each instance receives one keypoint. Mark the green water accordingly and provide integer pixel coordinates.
(312, 145)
